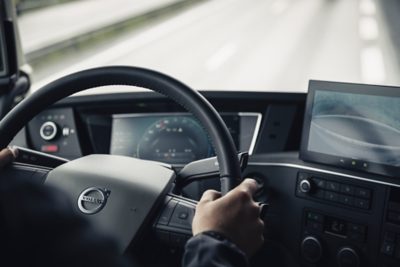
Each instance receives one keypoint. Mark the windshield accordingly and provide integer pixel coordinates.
(257, 45)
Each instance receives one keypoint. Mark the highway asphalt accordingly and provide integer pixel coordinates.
(271, 45)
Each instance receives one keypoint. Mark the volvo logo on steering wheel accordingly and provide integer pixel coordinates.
(93, 200)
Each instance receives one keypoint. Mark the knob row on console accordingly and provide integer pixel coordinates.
(312, 251)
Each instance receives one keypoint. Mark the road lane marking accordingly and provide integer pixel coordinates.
(368, 29)
(221, 56)
(279, 6)
(367, 7)
(372, 65)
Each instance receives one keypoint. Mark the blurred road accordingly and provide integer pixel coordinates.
(273, 45)
(59, 23)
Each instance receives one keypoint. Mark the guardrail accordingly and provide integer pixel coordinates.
(104, 32)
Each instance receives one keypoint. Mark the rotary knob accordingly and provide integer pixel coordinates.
(311, 249)
(305, 186)
(48, 130)
(348, 257)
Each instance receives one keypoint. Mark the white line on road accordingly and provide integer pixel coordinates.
(372, 66)
(221, 56)
(279, 6)
(367, 7)
(368, 29)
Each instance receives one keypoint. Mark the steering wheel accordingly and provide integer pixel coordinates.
(121, 195)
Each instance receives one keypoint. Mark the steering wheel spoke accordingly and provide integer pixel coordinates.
(173, 225)
(35, 158)
(25, 172)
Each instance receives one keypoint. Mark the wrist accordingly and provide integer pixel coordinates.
(216, 235)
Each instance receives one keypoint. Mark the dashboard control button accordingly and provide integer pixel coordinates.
(302, 175)
(357, 228)
(347, 257)
(49, 148)
(305, 186)
(315, 227)
(182, 217)
(315, 217)
(388, 248)
(311, 249)
(331, 196)
(320, 183)
(167, 212)
(361, 203)
(66, 131)
(362, 192)
(347, 200)
(48, 130)
(347, 189)
(333, 186)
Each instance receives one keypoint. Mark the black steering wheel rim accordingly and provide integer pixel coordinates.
(188, 98)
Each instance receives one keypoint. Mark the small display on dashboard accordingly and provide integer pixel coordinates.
(353, 126)
(170, 139)
(335, 226)
(176, 138)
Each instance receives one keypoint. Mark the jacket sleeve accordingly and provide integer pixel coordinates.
(210, 249)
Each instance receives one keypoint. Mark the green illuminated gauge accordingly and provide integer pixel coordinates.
(174, 140)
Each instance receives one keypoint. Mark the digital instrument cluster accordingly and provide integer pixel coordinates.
(176, 138)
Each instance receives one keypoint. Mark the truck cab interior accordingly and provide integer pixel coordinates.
(134, 162)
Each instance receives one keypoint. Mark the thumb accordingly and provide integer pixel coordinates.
(6, 156)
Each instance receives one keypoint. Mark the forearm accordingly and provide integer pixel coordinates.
(206, 251)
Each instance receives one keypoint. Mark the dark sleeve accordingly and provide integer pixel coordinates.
(38, 227)
(210, 249)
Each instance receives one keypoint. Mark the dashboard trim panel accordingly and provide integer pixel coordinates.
(256, 128)
(291, 165)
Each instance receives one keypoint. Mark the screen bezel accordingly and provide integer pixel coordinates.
(343, 162)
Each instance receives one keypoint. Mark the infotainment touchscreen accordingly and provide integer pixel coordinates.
(353, 126)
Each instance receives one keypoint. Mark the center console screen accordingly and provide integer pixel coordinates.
(353, 126)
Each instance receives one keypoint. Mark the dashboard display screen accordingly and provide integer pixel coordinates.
(174, 138)
(335, 226)
(353, 126)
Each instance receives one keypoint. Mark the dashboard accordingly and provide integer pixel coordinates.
(321, 213)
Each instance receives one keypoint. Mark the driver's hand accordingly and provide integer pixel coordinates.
(234, 215)
(7, 155)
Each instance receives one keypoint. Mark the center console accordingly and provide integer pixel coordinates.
(337, 202)
(354, 127)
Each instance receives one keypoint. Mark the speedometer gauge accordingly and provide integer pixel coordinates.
(174, 140)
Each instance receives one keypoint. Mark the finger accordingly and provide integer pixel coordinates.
(6, 156)
(210, 195)
(249, 185)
